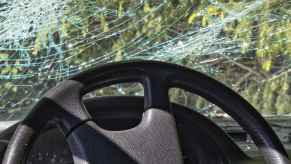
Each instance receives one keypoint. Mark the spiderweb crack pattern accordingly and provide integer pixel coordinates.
(39, 52)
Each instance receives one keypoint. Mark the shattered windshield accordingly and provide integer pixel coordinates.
(244, 44)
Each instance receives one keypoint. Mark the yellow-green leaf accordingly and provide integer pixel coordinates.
(204, 21)
(147, 7)
(5, 70)
(104, 24)
(267, 65)
(192, 17)
(3, 56)
(14, 70)
(212, 10)
(221, 15)
(120, 9)
(14, 89)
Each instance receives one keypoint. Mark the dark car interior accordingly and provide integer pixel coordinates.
(149, 129)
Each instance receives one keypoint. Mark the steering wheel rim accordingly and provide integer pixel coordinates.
(157, 78)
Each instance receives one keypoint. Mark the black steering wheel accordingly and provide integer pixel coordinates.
(155, 139)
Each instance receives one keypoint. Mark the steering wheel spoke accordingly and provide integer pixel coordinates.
(156, 92)
(64, 110)
(69, 109)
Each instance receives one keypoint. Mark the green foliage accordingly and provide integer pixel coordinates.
(261, 74)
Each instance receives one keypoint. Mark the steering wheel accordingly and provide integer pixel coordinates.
(154, 140)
